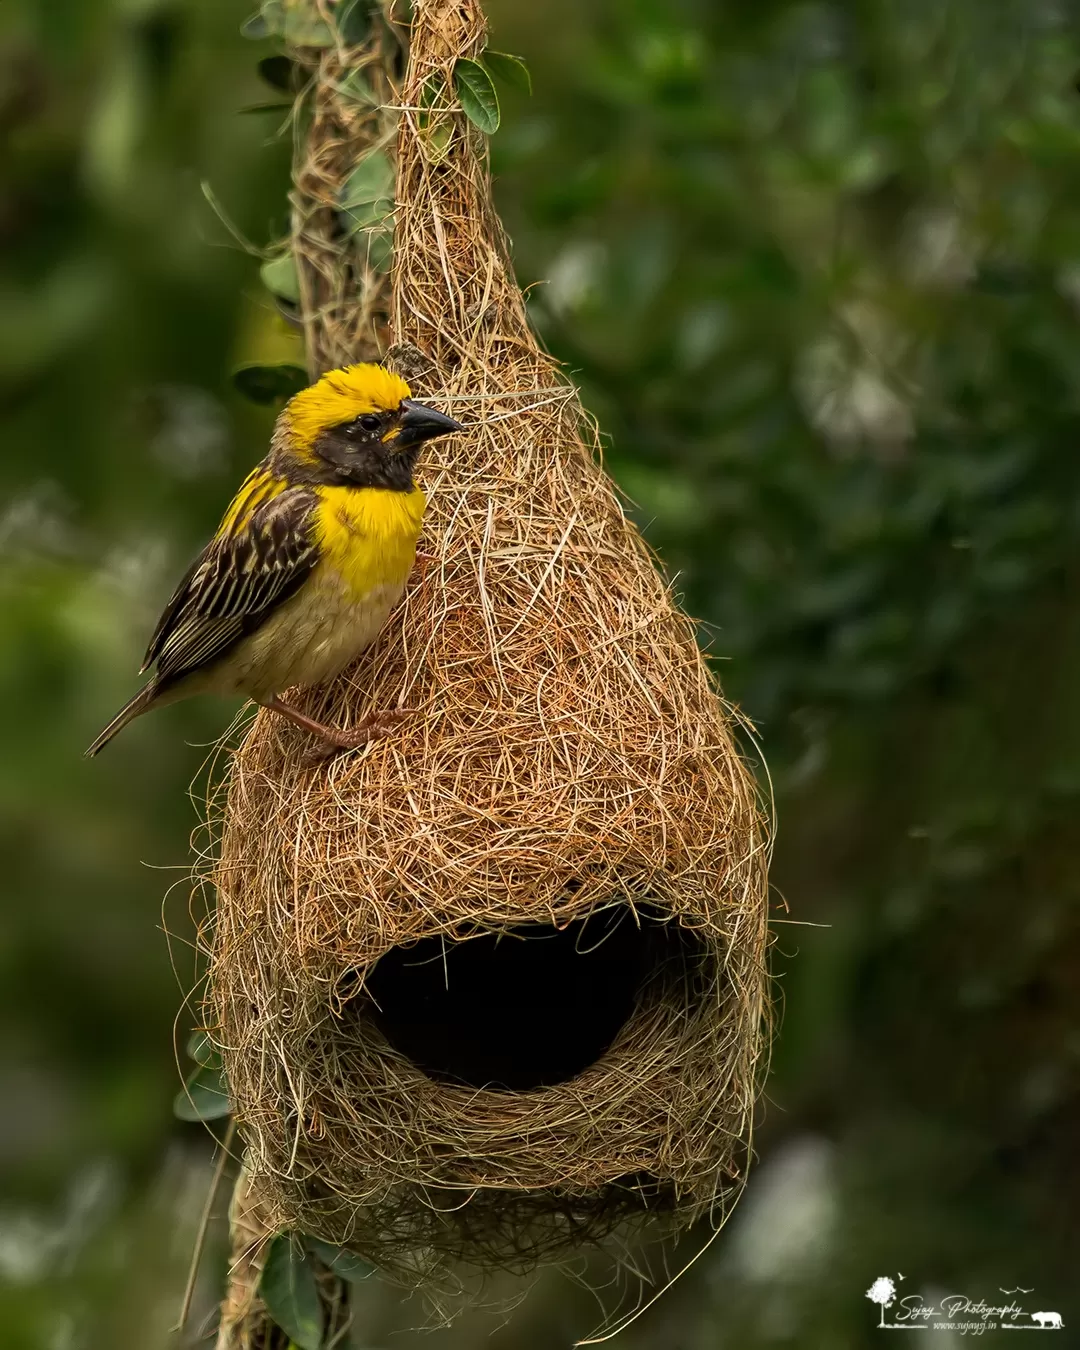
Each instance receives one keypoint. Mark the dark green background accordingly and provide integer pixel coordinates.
(817, 270)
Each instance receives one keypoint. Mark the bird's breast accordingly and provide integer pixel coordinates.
(312, 637)
(367, 536)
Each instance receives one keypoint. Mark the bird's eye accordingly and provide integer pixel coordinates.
(369, 422)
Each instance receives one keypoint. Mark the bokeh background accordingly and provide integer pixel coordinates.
(817, 270)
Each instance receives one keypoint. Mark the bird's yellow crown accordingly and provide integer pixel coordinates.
(339, 396)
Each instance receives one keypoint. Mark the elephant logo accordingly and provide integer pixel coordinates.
(1048, 1320)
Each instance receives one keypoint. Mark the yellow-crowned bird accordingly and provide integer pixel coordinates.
(310, 557)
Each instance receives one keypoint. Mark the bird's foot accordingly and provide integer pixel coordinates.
(336, 740)
(422, 565)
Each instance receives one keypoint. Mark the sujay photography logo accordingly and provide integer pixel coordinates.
(958, 1312)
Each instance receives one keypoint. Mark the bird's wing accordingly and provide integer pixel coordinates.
(243, 573)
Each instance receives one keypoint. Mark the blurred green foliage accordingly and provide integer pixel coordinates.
(817, 270)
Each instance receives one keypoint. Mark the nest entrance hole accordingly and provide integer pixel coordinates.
(529, 1007)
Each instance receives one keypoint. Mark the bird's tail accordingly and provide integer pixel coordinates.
(132, 709)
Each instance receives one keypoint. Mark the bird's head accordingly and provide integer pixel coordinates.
(359, 426)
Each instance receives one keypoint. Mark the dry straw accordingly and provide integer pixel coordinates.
(352, 122)
(568, 759)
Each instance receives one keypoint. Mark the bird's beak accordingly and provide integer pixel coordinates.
(421, 423)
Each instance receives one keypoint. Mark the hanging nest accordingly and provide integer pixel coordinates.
(496, 982)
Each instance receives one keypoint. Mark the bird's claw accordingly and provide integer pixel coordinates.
(422, 564)
(354, 738)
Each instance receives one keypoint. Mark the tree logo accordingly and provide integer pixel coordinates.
(883, 1292)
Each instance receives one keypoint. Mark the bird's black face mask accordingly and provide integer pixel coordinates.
(381, 449)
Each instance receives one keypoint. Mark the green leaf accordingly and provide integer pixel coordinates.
(290, 312)
(281, 72)
(269, 20)
(439, 138)
(372, 180)
(269, 384)
(479, 101)
(304, 27)
(203, 1097)
(347, 1265)
(380, 253)
(353, 21)
(367, 196)
(255, 28)
(358, 87)
(203, 1051)
(279, 277)
(267, 107)
(512, 70)
(290, 1292)
(370, 216)
(430, 89)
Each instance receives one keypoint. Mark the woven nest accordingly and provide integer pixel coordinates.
(497, 981)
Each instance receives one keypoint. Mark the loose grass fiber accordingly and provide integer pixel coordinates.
(496, 982)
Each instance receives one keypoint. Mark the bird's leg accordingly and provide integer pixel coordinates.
(338, 738)
(422, 563)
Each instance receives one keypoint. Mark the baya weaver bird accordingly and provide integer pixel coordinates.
(309, 559)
